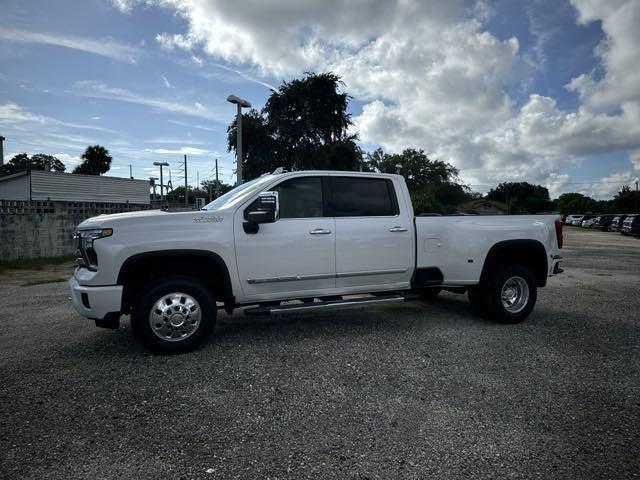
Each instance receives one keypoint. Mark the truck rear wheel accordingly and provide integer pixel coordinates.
(173, 314)
(508, 297)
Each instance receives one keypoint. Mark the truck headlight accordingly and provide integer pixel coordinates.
(88, 236)
(87, 256)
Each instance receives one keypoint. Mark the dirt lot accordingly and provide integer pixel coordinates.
(415, 390)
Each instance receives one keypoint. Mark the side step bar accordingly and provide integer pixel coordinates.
(299, 307)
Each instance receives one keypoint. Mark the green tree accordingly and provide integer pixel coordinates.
(177, 194)
(573, 202)
(304, 125)
(39, 161)
(433, 184)
(415, 166)
(523, 197)
(207, 186)
(259, 147)
(626, 200)
(96, 161)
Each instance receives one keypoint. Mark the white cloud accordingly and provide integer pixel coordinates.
(13, 115)
(179, 141)
(166, 82)
(70, 161)
(103, 47)
(431, 76)
(619, 53)
(96, 89)
(178, 151)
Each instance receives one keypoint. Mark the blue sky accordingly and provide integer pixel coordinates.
(504, 90)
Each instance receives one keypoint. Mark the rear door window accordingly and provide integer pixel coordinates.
(362, 197)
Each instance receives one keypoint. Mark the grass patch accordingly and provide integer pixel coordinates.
(34, 263)
(43, 281)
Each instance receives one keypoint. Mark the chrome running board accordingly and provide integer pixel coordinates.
(325, 305)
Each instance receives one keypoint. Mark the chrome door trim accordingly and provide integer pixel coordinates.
(291, 278)
(295, 278)
(371, 272)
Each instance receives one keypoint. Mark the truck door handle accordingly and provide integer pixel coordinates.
(397, 228)
(320, 231)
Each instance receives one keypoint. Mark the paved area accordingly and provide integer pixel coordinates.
(418, 390)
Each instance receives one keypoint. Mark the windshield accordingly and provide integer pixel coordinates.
(238, 194)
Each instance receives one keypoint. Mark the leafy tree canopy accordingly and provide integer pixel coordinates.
(39, 161)
(433, 184)
(576, 203)
(522, 197)
(96, 161)
(304, 125)
(177, 194)
(627, 200)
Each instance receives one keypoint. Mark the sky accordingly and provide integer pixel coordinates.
(544, 91)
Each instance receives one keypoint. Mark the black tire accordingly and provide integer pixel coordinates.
(524, 282)
(153, 292)
(429, 293)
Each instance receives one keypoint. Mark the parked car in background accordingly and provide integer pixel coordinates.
(616, 223)
(631, 225)
(588, 222)
(603, 221)
(578, 223)
(573, 218)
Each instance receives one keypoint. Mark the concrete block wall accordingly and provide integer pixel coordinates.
(30, 229)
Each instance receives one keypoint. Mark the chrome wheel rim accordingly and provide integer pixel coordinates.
(175, 317)
(515, 294)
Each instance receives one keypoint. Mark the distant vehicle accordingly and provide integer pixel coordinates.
(588, 223)
(603, 221)
(578, 222)
(616, 223)
(631, 225)
(573, 218)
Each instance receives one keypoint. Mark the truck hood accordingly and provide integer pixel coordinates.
(149, 218)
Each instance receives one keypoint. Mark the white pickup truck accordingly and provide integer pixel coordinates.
(300, 241)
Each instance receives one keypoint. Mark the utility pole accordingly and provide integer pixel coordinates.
(161, 164)
(2, 139)
(506, 193)
(635, 199)
(197, 179)
(186, 184)
(218, 182)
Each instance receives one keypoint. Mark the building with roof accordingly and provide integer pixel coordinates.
(39, 185)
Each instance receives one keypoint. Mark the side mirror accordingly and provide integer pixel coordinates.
(265, 209)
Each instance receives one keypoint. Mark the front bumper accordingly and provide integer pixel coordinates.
(95, 302)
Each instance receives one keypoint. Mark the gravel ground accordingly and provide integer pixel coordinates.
(417, 390)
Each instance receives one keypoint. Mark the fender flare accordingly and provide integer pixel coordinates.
(130, 263)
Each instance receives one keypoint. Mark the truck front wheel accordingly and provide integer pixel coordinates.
(173, 314)
(509, 296)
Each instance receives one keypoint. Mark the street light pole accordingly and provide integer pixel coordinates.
(239, 143)
(240, 104)
(635, 203)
